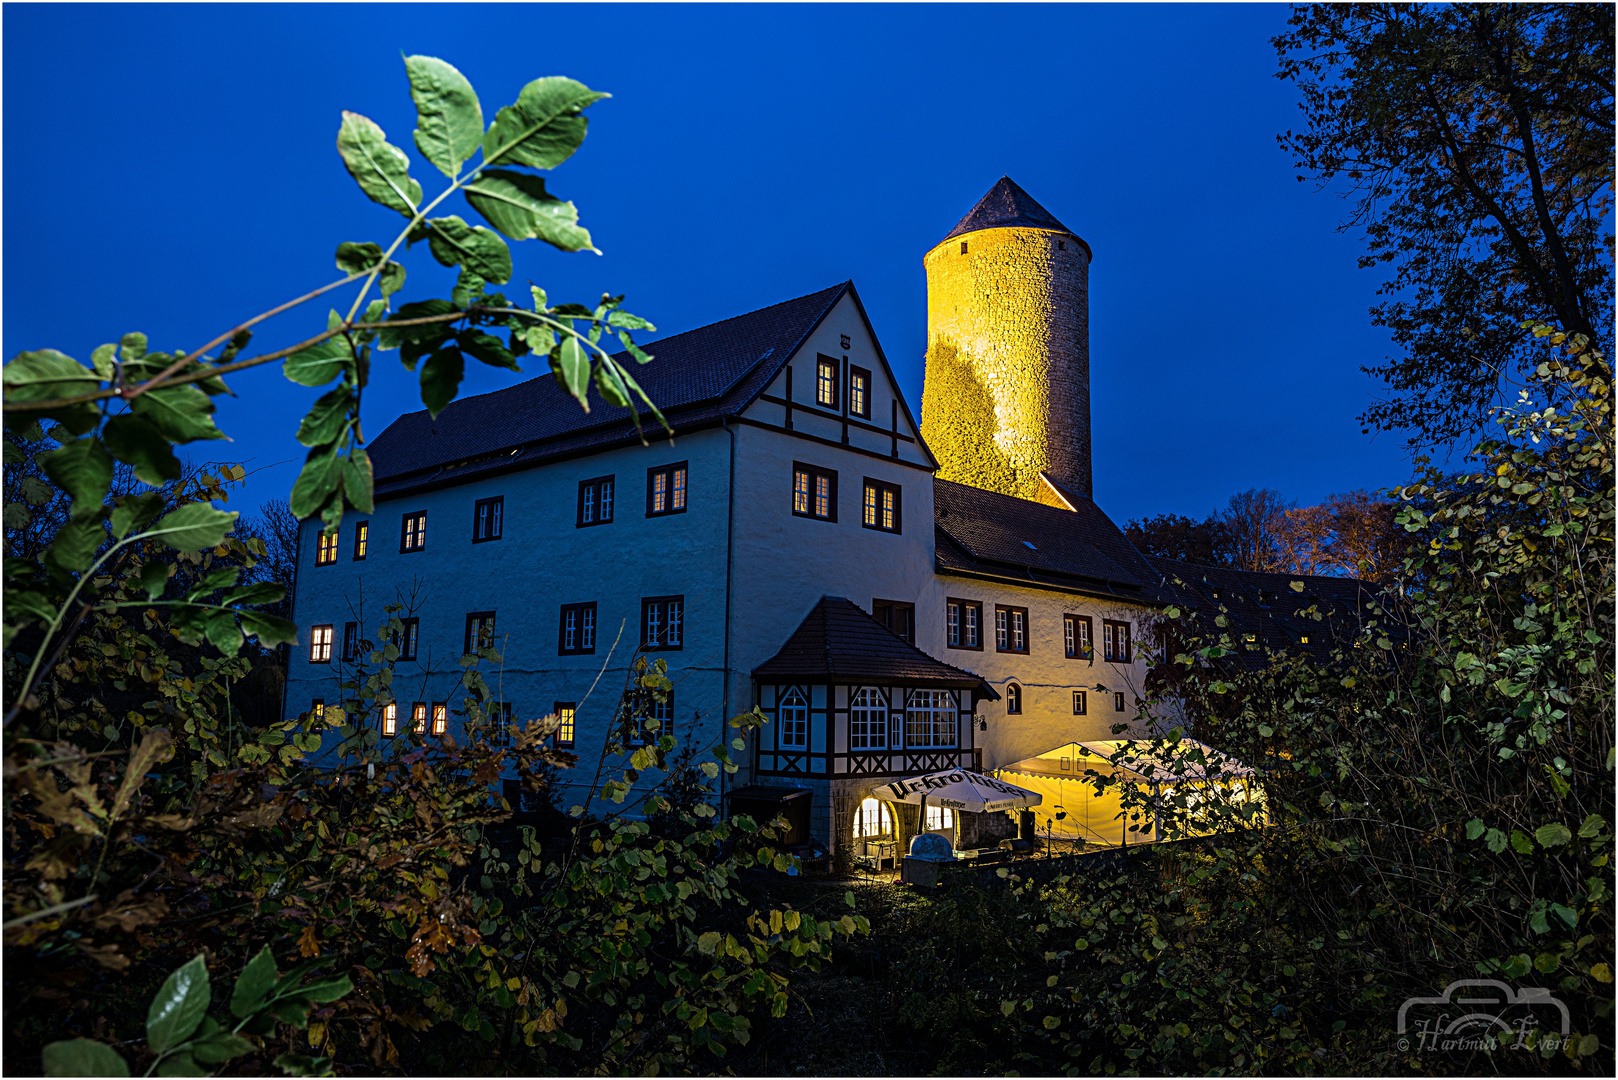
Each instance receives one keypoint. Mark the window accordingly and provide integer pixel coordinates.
(665, 490)
(1013, 699)
(1115, 641)
(326, 551)
(1118, 701)
(486, 515)
(1076, 636)
(897, 616)
(963, 621)
(566, 712)
(440, 717)
(1011, 629)
(859, 392)
(1081, 703)
(351, 642)
(595, 502)
(814, 492)
(939, 817)
(882, 506)
(320, 644)
(500, 721)
(362, 535)
(317, 709)
(418, 718)
(640, 731)
(413, 532)
(409, 638)
(1304, 639)
(662, 622)
(963, 247)
(826, 382)
(577, 629)
(872, 819)
(479, 631)
(867, 720)
(931, 718)
(390, 719)
(793, 718)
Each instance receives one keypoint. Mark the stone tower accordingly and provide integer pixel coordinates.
(1007, 386)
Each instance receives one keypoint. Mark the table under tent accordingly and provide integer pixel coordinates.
(1072, 809)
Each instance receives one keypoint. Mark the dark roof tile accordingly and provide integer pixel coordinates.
(1007, 206)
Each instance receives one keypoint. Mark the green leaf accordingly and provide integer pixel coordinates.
(322, 472)
(181, 414)
(46, 374)
(135, 442)
(1521, 843)
(487, 348)
(220, 627)
(259, 592)
(572, 368)
(180, 1064)
(327, 989)
(469, 289)
(328, 418)
(707, 943)
(449, 121)
(83, 1057)
(154, 578)
(625, 321)
(1496, 841)
(195, 527)
(357, 480)
(303, 1065)
(181, 1003)
(221, 1047)
(380, 168)
(83, 469)
(270, 630)
(455, 243)
(358, 258)
(519, 206)
(319, 364)
(441, 378)
(391, 337)
(1592, 826)
(1474, 829)
(611, 385)
(74, 548)
(543, 128)
(1553, 835)
(104, 360)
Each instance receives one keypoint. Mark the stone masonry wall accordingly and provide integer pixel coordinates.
(1008, 325)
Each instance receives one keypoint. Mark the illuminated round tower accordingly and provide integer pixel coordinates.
(1007, 386)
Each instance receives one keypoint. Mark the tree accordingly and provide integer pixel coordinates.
(1175, 536)
(1476, 142)
(1353, 534)
(1255, 520)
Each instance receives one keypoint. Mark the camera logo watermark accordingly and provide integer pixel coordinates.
(1482, 1014)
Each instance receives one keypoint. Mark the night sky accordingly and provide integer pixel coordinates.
(173, 170)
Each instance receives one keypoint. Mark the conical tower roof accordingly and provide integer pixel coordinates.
(1008, 206)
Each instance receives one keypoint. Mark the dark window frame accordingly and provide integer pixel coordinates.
(898, 506)
(438, 718)
(963, 604)
(645, 604)
(472, 618)
(382, 720)
(865, 392)
(498, 505)
(895, 607)
(1011, 609)
(1078, 650)
(420, 716)
(420, 517)
(351, 642)
(814, 472)
(572, 724)
(593, 486)
(315, 643)
(668, 471)
(1081, 703)
(1013, 699)
(1117, 701)
(410, 638)
(1128, 650)
(362, 538)
(561, 630)
(326, 545)
(822, 363)
(317, 708)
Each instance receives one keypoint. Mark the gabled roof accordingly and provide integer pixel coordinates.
(987, 534)
(839, 642)
(695, 378)
(1007, 206)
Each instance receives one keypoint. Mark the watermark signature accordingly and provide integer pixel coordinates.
(1483, 1014)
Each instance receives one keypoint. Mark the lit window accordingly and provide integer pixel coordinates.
(1011, 629)
(1115, 641)
(1076, 636)
(1081, 703)
(479, 631)
(666, 490)
(486, 515)
(872, 819)
(939, 817)
(1013, 699)
(793, 718)
(859, 392)
(413, 532)
(418, 718)
(326, 552)
(814, 492)
(566, 712)
(881, 506)
(351, 641)
(317, 709)
(867, 720)
(320, 644)
(409, 637)
(1305, 639)
(578, 629)
(931, 718)
(964, 624)
(440, 717)
(826, 382)
(362, 536)
(662, 622)
(1118, 701)
(390, 719)
(595, 502)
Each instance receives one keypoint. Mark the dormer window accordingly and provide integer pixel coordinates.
(859, 392)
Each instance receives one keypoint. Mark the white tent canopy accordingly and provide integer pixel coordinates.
(958, 789)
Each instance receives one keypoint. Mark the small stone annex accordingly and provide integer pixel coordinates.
(896, 596)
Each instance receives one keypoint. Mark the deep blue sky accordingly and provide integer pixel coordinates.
(173, 169)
